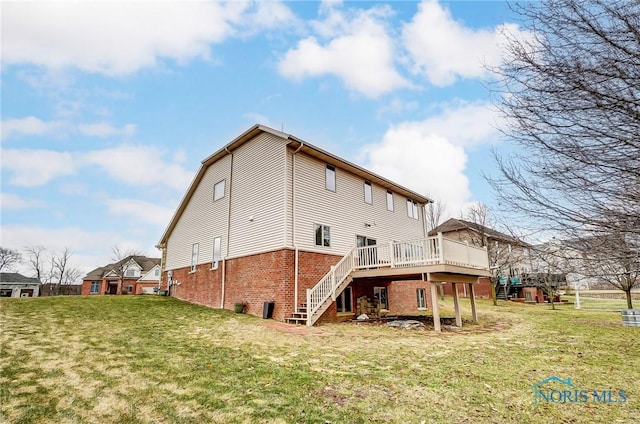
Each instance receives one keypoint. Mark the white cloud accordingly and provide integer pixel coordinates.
(30, 126)
(443, 49)
(114, 38)
(133, 165)
(102, 129)
(268, 15)
(90, 249)
(140, 211)
(139, 165)
(425, 162)
(429, 156)
(463, 124)
(31, 167)
(359, 52)
(12, 201)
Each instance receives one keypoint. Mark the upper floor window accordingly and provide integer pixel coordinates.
(157, 272)
(218, 190)
(331, 177)
(412, 209)
(130, 272)
(368, 195)
(323, 235)
(194, 256)
(389, 200)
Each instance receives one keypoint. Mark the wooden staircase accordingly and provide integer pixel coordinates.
(501, 292)
(299, 317)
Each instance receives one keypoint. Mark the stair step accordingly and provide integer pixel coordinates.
(299, 315)
(296, 320)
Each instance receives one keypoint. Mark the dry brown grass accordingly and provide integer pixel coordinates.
(157, 360)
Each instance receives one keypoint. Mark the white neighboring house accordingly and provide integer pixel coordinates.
(13, 284)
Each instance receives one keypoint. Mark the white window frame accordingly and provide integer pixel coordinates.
(325, 235)
(217, 247)
(130, 272)
(95, 287)
(157, 272)
(330, 178)
(382, 294)
(390, 200)
(195, 247)
(412, 209)
(346, 293)
(421, 297)
(218, 190)
(129, 288)
(368, 192)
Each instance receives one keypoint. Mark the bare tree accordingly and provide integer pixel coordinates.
(570, 95)
(52, 269)
(614, 260)
(434, 214)
(38, 262)
(9, 258)
(478, 214)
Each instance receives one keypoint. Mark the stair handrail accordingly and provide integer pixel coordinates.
(326, 287)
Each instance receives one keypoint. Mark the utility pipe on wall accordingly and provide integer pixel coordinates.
(293, 226)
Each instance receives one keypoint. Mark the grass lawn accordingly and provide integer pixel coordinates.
(148, 359)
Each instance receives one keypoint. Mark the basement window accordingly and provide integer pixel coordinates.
(217, 243)
(194, 256)
(422, 298)
(344, 305)
(380, 293)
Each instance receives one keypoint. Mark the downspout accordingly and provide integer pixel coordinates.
(224, 259)
(424, 222)
(293, 226)
(224, 272)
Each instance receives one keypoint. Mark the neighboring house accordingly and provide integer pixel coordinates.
(13, 284)
(272, 218)
(131, 275)
(509, 257)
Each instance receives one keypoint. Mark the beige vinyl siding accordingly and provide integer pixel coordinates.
(345, 210)
(202, 220)
(258, 192)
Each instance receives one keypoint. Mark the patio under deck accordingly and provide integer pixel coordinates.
(436, 260)
(435, 275)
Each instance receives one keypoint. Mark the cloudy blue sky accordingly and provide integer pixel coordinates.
(109, 107)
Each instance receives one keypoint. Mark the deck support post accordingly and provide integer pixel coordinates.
(434, 305)
(456, 304)
(472, 295)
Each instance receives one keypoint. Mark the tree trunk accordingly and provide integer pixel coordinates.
(628, 293)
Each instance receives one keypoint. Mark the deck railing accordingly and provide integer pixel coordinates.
(430, 251)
